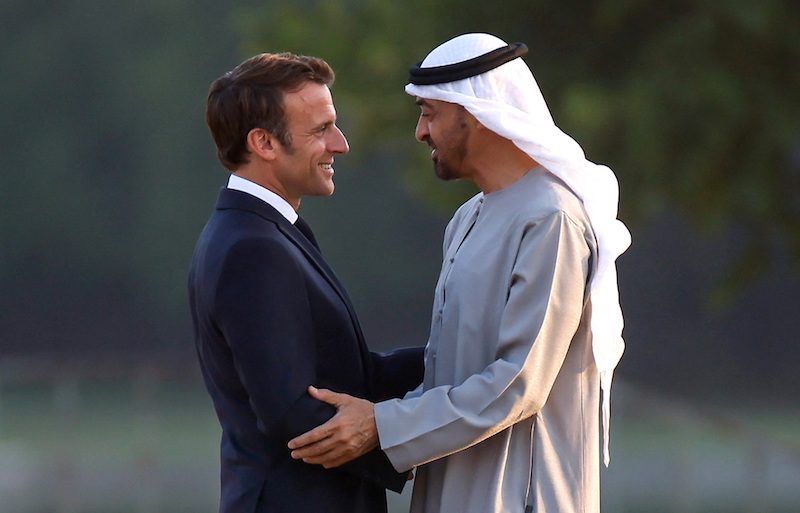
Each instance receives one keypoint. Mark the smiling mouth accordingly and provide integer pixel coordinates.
(327, 168)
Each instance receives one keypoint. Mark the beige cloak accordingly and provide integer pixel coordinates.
(508, 413)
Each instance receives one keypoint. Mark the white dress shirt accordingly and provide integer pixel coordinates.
(238, 183)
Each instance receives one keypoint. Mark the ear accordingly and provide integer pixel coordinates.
(261, 143)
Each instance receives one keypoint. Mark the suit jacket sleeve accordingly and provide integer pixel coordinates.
(397, 372)
(542, 313)
(264, 313)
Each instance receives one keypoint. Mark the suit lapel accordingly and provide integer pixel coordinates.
(319, 262)
(240, 200)
(229, 198)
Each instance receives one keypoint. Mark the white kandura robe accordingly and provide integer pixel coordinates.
(508, 413)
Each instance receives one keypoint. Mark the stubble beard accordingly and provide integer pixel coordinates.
(450, 168)
(443, 171)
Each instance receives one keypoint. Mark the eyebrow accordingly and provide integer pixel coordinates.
(422, 102)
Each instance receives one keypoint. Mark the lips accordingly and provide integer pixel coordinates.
(327, 167)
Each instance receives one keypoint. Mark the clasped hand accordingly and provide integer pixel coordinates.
(347, 435)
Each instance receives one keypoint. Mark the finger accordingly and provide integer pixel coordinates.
(326, 396)
(334, 459)
(314, 450)
(309, 437)
(338, 455)
(329, 459)
(317, 455)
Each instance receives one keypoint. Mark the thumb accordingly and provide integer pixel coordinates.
(325, 395)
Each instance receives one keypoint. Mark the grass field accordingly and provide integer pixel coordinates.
(150, 445)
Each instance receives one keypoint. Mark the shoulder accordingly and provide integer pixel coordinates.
(263, 249)
(259, 268)
(545, 197)
(541, 207)
(244, 240)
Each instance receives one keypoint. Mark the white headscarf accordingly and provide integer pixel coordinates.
(507, 101)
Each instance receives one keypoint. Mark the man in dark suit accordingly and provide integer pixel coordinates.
(269, 314)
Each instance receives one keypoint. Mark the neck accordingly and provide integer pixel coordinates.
(264, 179)
(500, 165)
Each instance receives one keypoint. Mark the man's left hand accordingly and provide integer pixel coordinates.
(347, 435)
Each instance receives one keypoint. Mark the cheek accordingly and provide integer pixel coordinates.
(314, 155)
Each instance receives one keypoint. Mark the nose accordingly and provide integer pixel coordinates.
(422, 133)
(337, 143)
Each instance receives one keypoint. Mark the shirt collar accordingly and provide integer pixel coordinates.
(238, 183)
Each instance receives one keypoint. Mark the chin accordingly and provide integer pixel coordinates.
(444, 173)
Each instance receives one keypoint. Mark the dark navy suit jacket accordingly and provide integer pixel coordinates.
(270, 318)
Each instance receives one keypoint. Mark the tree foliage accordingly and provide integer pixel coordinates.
(105, 158)
(110, 172)
(695, 104)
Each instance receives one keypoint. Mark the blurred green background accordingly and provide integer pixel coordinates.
(109, 175)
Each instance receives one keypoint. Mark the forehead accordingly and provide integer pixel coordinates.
(425, 102)
(437, 105)
(312, 103)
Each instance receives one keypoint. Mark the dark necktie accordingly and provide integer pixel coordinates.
(306, 230)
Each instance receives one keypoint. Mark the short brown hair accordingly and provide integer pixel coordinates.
(251, 96)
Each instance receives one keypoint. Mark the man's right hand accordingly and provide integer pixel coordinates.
(346, 436)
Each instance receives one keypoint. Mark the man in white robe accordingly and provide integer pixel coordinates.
(526, 325)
